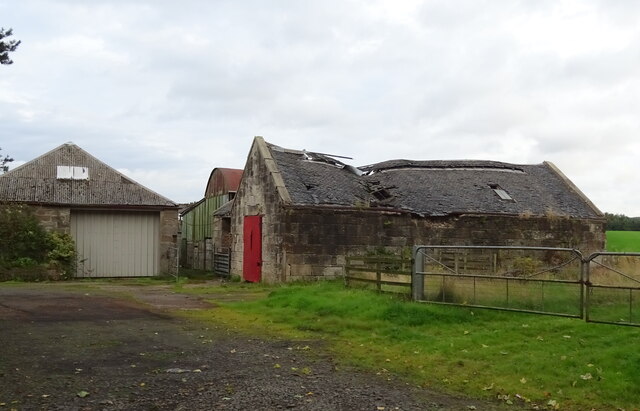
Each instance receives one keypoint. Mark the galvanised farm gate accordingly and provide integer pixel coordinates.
(602, 287)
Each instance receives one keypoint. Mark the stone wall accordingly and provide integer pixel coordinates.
(258, 195)
(221, 233)
(54, 218)
(312, 243)
(168, 241)
(315, 242)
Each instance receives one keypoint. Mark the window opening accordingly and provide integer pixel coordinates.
(501, 192)
(72, 173)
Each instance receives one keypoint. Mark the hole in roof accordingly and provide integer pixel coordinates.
(381, 194)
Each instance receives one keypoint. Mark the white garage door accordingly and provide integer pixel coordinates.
(116, 244)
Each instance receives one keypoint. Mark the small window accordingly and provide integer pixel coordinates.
(80, 173)
(501, 192)
(72, 173)
(64, 173)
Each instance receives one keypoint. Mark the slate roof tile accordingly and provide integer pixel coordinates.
(430, 188)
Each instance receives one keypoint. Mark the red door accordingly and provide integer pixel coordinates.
(252, 257)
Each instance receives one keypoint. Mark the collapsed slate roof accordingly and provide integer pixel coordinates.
(39, 181)
(431, 188)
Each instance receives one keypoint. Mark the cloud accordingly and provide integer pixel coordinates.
(168, 91)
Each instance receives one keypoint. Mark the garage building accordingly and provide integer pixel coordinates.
(121, 228)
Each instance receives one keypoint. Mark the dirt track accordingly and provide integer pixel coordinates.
(58, 344)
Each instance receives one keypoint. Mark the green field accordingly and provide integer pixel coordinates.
(623, 241)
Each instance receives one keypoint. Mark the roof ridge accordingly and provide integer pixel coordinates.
(443, 164)
(39, 157)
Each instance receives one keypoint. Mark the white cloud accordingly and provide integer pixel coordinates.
(168, 91)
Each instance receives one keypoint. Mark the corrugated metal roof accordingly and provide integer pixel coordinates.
(36, 182)
(431, 188)
(222, 181)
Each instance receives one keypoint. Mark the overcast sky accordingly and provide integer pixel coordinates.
(165, 91)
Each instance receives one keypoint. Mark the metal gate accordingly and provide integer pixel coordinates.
(613, 288)
(603, 288)
(529, 279)
(222, 263)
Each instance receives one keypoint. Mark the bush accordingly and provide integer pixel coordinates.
(62, 254)
(28, 252)
(21, 235)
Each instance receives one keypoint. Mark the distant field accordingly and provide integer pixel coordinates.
(623, 241)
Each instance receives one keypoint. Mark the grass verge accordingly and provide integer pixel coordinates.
(555, 363)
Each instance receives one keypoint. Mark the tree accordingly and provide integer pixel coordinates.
(3, 163)
(7, 46)
(620, 222)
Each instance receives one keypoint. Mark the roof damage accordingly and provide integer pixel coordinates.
(431, 188)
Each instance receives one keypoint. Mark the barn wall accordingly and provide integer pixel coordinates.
(316, 242)
(197, 222)
(54, 218)
(198, 235)
(258, 195)
(221, 233)
(168, 241)
(307, 243)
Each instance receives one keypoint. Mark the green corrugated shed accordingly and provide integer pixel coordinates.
(197, 221)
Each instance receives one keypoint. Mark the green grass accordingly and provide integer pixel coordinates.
(623, 241)
(482, 353)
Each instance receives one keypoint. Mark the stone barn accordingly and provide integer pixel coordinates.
(297, 214)
(120, 228)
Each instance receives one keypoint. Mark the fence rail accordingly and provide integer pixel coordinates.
(538, 280)
(613, 284)
(603, 287)
(385, 274)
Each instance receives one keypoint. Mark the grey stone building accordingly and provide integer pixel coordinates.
(298, 214)
(121, 228)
